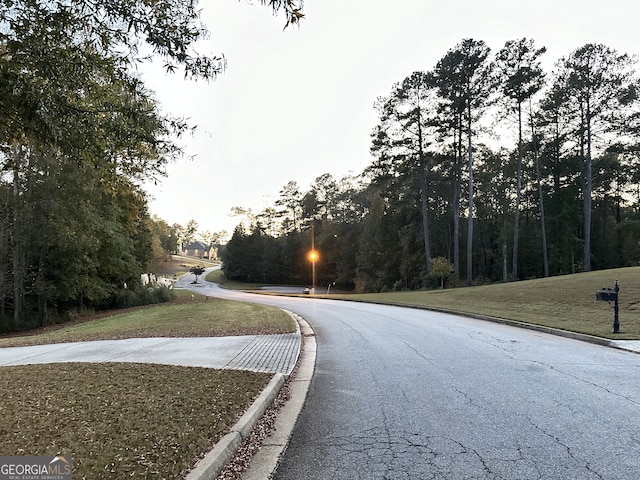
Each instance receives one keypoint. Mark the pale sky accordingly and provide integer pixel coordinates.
(295, 104)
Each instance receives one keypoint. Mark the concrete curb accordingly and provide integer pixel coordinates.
(265, 461)
(541, 328)
(603, 341)
(209, 467)
(213, 462)
(583, 337)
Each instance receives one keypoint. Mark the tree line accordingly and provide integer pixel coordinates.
(489, 162)
(79, 132)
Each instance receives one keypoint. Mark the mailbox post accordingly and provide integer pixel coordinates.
(611, 295)
(616, 322)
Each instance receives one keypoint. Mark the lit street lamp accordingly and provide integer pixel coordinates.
(313, 256)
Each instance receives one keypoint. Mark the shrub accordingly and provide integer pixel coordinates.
(127, 298)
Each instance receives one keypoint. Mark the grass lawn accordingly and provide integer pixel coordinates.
(123, 420)
(565, 302)
(196, 316)
(218, 277)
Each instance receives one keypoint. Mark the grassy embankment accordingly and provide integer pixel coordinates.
(218, 277)
(565, 302)
(122, 420)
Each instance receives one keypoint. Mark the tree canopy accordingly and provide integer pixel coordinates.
(78, 131)
(552, 174)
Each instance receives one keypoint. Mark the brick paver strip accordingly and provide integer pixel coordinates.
(269, 353)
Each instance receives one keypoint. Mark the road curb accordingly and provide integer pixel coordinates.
(540, 328)
(584, 337)
(213, 462)
(266, 460)
(605, 342)
(210, 466)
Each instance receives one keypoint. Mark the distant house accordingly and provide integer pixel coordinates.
(196, 249)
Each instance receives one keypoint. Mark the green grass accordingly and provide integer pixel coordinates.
(218, 277)
(120, 420)
(565, 302)
(193, 316)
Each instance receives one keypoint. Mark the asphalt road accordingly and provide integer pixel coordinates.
(407, 394)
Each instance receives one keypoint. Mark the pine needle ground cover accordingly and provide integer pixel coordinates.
(121, 420)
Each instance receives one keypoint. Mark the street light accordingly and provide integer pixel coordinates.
(313, 256)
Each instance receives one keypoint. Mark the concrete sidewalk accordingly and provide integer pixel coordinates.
(629, 345)
(258, 353)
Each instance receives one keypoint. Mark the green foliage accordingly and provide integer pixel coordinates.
(127, 298)
(527, 197)
(197, 270)
(255, 258)
(77, 129)
(442, 268)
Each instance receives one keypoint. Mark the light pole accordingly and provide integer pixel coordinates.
(313, 256)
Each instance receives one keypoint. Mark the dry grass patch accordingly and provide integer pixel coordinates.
(121, 420)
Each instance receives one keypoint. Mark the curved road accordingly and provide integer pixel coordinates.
(400, 393)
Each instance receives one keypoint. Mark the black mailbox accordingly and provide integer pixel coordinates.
(611, 295)
(607, 295)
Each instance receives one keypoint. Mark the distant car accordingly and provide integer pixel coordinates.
(306, 291)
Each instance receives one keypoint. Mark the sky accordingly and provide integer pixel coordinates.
(295, 104)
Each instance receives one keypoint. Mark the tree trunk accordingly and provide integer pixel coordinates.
(504, 262)
(5, 236)
(545, 255)
(587, 196)
(456, 198)
(17, 250)
(456, 225)
(470, 220)
(424, 199)
(2, 287)
(41, 281)
(516, 220)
